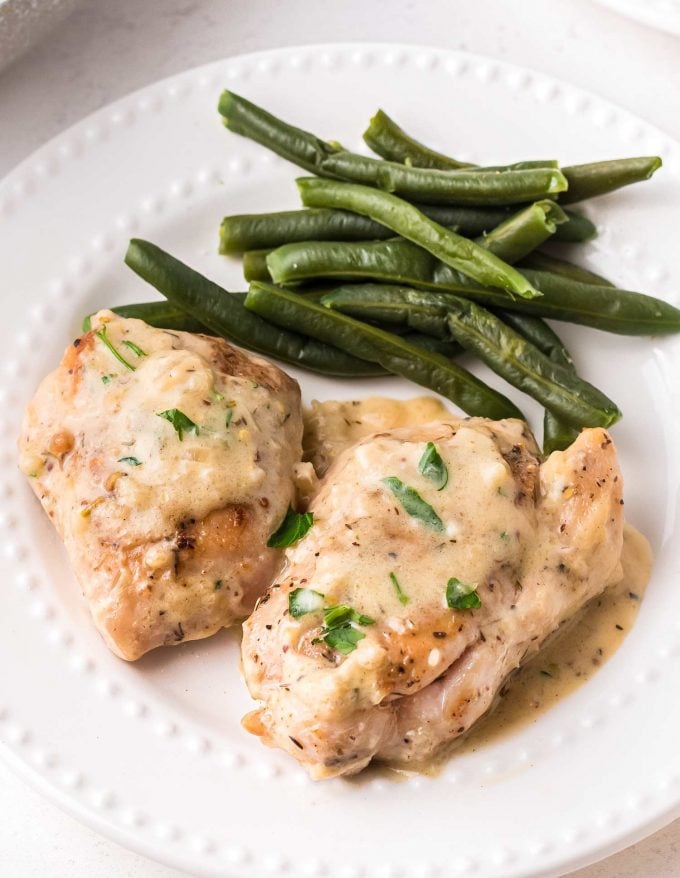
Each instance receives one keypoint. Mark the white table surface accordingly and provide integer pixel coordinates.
(107, 49)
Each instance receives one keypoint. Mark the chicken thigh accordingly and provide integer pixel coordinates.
(440, 558)
(165, 461)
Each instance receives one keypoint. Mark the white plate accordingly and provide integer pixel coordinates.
(152, 754)
(661, 14)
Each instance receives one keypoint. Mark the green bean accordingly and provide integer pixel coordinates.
(515, 236)
(393, 305)
(558, 434)
(427, 368)
(298, 146)
(518, 166)
(407, 221)
(391, 142)
(522, 232)
(504, 351)
(545, 262)
(471, 221)
(225, 316)
(610, 309)
(598, 178)
(162, 315)
(329, 160)
(255, 265)
(386, 138)
(539, 334)
(445, 347)
(351, 260)
(265, 231)
(523, 365)
(476, 187)
(577, 228)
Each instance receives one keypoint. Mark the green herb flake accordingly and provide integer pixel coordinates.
(433, 467)
(304, 600)
(340, 631)
(403, 598)
(413, 503)
(135, 348)
(131, 460)
(230, 415)
(218, 397)
(460, 596)
(218, 584)
(341, 614)
(106, 379)
(344, 639)
(293, 527)
(103, 337)
(180, 422)
(504, 535)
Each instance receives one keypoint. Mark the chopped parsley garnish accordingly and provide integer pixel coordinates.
(339, 628)
(504, 535)
(135, 348)
(218, 396)
(230, 415)
(403, 598)
(340, 622)
(341, 614)
(180, 422)
(293, 527)
(103, 337)
(107, 378)
(460, 596)
(413, 503)
(343, 639)
(131, 460)
(304, 600)
(433, 467)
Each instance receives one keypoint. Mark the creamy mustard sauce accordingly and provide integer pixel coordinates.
(148, 477)
(332, 426)
(481, 527)
(571, 655)
(164, 461)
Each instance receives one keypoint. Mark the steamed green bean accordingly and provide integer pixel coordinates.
(459, 253)
(225, 316)
(427, 368)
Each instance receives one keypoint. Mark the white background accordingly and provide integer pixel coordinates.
(107, 49)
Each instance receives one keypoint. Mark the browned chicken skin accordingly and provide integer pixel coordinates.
(165, 520)
(536, 541)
